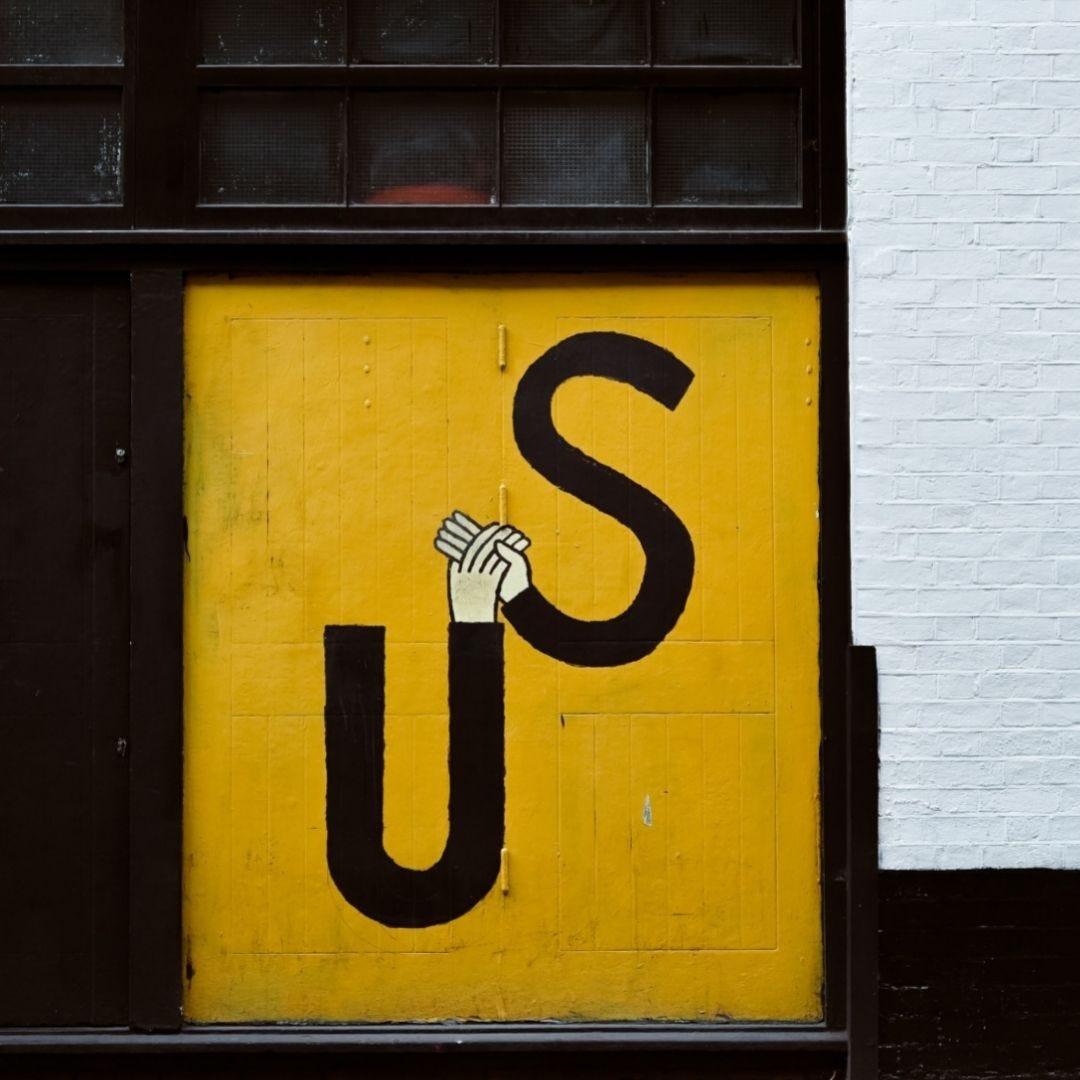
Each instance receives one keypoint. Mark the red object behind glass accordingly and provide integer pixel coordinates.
(430, 194)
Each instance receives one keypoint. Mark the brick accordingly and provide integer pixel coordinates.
(1014, 92)
(1066, 65)
(1061, 262)
(1061, 207)
(972, 263)
(1017, 291)
(1015, 572)
(1060, 150)
(1057, 92)
(1000, 121)
(965, 347)
(1010, 403)
(1061, 320)
(967, 432)
(1056, 37)
(1012, 148)
(1019, 234)
(954, 177)
(998, 65)
(1002, 11)
(1020, 263)
(952, 94)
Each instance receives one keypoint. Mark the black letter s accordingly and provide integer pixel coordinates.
(669, 551)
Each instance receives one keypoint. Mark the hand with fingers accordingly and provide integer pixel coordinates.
(485, 564)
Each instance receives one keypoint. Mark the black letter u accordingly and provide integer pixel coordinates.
(355, 749)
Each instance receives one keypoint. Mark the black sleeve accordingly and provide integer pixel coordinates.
(583, 642)
(366, 875)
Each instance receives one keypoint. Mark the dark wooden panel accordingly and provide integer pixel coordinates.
(63, 653)
(46, 373)
(111, 648)
(979, 974)
(157, 304)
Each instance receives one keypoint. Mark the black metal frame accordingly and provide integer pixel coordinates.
(147, 240)
(161, 82)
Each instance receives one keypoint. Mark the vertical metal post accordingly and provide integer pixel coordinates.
(862, 719)
(157, 685)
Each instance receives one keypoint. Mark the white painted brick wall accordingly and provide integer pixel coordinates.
(964, 153)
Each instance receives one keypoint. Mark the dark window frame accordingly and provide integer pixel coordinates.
(161, 83)
(77, 78)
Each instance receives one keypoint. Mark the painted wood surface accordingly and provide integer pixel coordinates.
(661, 850)
(64, 392)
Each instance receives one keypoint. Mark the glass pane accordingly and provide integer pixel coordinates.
(422, 147)
(727, 149)
(272, 32)
(422, 31)
(278, 147)
(60, 147)
(574, 32)
(726, 31)
(574, 149)
(61, 31)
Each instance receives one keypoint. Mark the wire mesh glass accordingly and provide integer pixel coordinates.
(61, 147)
(574, 32)
(272, 31)
(422, 31)
(422, 147)
(62, 32)
(725, 31)
(726, 149)
(571, 148)
(272, 147)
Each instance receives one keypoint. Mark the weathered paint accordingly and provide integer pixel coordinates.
(662, 827)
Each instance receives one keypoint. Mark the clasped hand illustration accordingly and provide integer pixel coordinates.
(487, 567)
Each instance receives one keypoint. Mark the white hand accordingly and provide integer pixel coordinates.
(473, 582)
(459, 535)
(517, 578)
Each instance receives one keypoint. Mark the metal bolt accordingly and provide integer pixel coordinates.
(121, 747)
(121, 455)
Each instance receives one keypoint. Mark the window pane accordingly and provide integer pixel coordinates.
(60, 147)
(727, 149)
(422, 31)
(272, 32)
(574, 149)
(61, 31)
(574, 32)
(726, 31)
(277, 147)
(422, 147)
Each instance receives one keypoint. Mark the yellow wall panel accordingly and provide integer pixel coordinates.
(661, 840)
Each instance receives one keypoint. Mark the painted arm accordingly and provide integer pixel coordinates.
(369, 879)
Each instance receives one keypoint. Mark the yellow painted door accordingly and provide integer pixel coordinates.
(658, 853)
